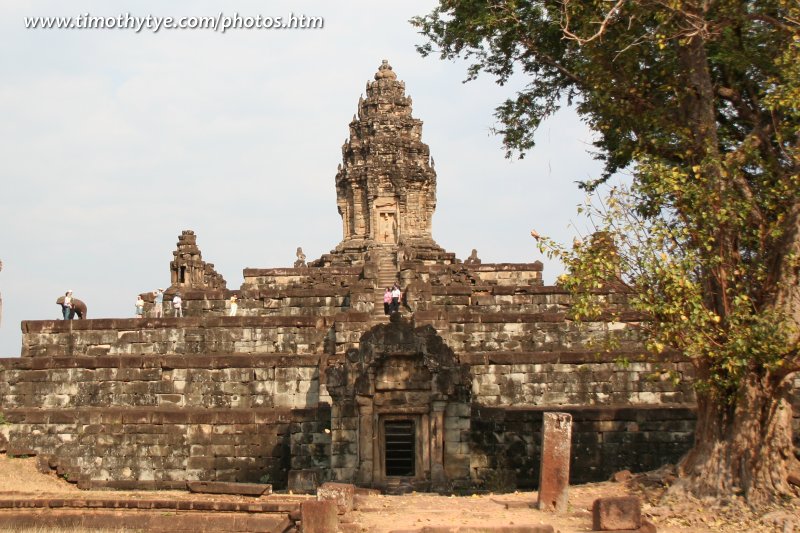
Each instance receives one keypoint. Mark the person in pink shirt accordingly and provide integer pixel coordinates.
(387, 301)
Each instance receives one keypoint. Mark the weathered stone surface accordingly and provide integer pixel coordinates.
(304, 481)
(141, 520)
(621, 513)
(622, 476)
(554, 470)
(405, 375)
(188, 270)
(341, 493)
(386, 185)
(218, 487)
(319, 516)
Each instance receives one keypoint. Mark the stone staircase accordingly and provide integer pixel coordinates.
(386, 257)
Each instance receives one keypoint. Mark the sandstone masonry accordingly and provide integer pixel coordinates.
(310, 381)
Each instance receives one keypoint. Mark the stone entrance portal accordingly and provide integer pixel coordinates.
(400, 411)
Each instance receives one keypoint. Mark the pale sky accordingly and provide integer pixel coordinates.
(113, 142)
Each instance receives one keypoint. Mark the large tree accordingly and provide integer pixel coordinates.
(699, 100)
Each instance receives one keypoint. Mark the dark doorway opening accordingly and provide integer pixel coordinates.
(400, 456)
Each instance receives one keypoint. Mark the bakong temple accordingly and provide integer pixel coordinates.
(311, 382)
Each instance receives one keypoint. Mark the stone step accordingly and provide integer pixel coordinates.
(140, 520)
(175, 513)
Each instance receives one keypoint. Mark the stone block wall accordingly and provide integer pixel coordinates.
(506, 442)
(474, 331)
(457, 441)
(344, 434)
(167, 336)
(212, 382)
(162, 448)
(260, 302)
(303, 277)
(580, 378)
(518, 275)
(509, 274)
(85, 387)
(157, 421)
(485, 298)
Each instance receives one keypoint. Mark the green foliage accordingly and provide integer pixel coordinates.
(3, 420)
(649, 260)
(700, 103)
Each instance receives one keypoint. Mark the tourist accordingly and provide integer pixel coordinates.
(177, 305)
(158, 303)
(387, 301)
(66, 306)
(234, 305)
(139, 307)
(396, 294)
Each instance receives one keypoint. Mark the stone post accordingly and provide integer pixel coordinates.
(366, 432)
(437, 435)
(319, 516)
(554, 467)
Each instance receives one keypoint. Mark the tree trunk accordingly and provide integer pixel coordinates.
(744, 448)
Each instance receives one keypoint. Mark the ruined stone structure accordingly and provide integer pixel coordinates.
(188, 270)
(311, 382)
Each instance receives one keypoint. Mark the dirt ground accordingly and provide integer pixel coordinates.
(383, 514)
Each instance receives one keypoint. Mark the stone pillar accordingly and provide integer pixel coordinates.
(437, 433)
(359, 226)
(366, 445)
(554, 467)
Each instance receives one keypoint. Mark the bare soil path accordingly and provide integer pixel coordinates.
(383, 513)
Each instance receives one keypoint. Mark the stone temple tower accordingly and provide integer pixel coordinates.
(386, 185)
(188, 270)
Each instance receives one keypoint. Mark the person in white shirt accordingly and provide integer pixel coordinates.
(234, 305)
(66, 306)
(177, 305)
(396, 294)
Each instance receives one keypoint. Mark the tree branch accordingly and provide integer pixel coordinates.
(603, 25)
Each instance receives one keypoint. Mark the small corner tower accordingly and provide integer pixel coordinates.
(188, 270)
